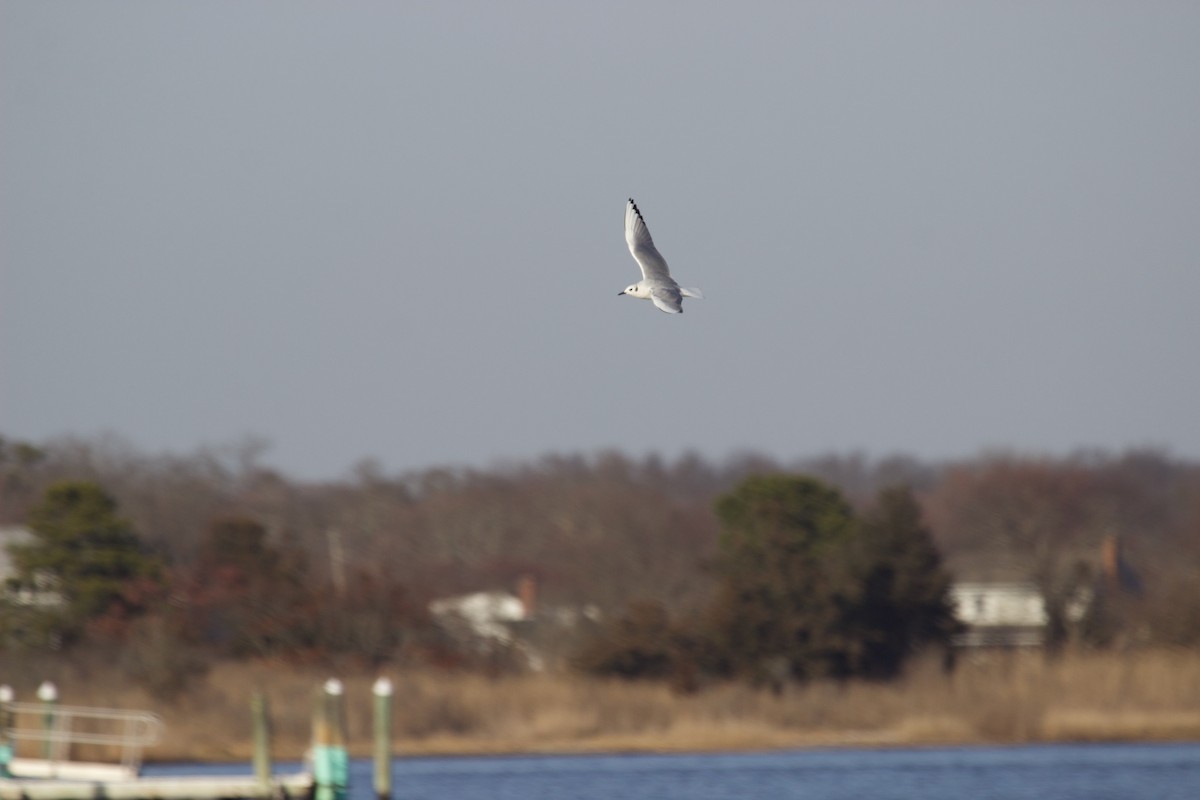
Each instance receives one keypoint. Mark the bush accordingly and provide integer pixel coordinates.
(643, 643)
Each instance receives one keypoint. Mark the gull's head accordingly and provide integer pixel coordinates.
(635, 290)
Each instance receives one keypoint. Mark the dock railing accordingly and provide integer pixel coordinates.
(56, 732)
(45, 739)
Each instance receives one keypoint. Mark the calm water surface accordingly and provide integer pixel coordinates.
(1053, 772)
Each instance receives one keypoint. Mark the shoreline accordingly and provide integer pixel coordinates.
(1172, 729)
(1010, 698)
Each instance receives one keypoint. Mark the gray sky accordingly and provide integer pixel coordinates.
(394, 230)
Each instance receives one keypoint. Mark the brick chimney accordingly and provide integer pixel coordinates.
(527, 593)
(1110, 562)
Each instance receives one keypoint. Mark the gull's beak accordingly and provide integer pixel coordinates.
(620, 293)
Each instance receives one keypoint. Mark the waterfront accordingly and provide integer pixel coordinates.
(1062, 772)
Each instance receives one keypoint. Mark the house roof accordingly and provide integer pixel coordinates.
(987, 567)
(485, 612)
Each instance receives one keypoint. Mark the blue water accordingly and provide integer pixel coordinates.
(1049, 772)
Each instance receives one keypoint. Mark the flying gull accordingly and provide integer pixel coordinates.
(656, 284)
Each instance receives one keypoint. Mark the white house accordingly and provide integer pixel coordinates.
(11, 534)
(514, 626)
(999, 614)
(487, 615)
(43, 594)
(1007, 613)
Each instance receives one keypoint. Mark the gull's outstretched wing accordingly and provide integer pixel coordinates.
(667, 298)
(637, 236)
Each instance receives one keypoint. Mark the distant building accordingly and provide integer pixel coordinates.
(999, 614)
(42, 594)
(512, 628)
(11, 534)
(488, 616)
(20, 602)
(999, 611)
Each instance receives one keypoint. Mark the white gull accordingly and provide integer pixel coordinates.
(656, 284)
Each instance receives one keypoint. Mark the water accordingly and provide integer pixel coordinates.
(1049, 772)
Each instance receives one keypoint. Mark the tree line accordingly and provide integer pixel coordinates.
(690, 562)
(804, 588)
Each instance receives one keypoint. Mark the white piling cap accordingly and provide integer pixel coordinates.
(47, 692)
(333, 686)
(6, 694)
(382, 687)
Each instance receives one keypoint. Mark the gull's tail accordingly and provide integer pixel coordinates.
(696, 293)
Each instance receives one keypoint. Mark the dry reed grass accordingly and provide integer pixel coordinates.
(997, 697)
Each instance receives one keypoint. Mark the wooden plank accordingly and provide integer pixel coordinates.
(69, 770)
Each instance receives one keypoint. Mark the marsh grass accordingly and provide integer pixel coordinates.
(997, 697)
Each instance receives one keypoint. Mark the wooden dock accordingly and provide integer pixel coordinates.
(51, 774)
(298, 785)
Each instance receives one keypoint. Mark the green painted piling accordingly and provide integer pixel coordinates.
(6, 725)
(331, 764)
(262, 741)
(383, 738)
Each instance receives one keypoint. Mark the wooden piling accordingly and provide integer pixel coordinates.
(262, 741)
(383, 738)
(48, 694)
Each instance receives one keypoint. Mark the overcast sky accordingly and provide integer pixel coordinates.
(394, 230)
